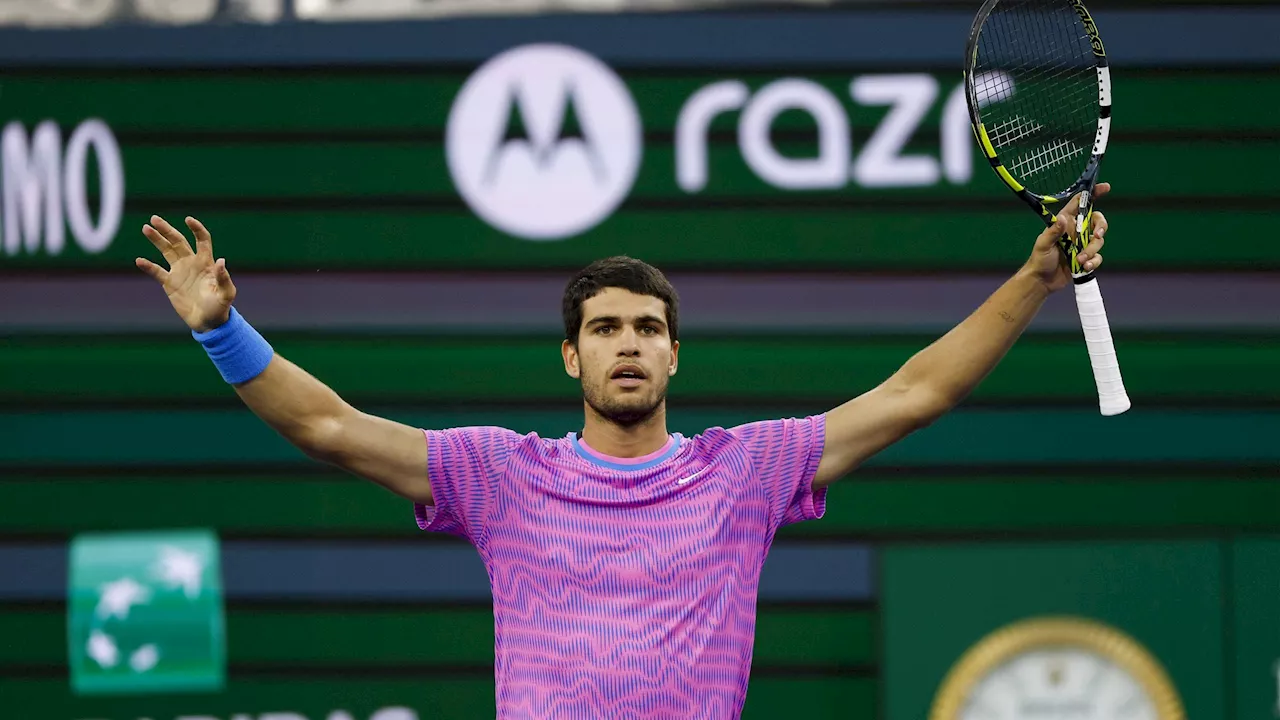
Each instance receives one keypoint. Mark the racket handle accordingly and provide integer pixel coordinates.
(1112, 398)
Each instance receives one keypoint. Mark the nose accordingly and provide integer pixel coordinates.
(628, 343)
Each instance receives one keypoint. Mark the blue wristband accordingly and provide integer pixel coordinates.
(236, 349)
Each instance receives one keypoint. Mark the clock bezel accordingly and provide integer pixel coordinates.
(1005, 643)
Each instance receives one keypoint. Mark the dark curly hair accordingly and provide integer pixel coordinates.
(623, 272)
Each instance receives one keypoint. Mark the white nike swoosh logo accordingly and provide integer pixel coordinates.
(682, 481)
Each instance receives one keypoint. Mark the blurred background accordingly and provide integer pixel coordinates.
(401, 189)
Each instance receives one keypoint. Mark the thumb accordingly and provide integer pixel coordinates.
(225, 287)
(220, 271)
(1052, 234)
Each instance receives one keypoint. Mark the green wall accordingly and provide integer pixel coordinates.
(308, 171)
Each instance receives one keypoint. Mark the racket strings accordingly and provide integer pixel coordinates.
(1035, 81)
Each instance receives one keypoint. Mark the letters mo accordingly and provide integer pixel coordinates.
(44, 187)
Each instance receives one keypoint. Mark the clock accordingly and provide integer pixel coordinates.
(1057, 668)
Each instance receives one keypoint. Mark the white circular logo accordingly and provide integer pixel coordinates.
(543, 141)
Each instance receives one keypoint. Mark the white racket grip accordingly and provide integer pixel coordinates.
(1112, 398)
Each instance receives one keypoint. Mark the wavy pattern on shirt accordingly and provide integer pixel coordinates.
(621, 592)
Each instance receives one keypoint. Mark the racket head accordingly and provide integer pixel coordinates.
(1038, 89)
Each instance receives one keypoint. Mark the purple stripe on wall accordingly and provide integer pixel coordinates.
(530, 303)
(396, 571)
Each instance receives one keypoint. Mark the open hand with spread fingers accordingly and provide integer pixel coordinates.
(199, 287)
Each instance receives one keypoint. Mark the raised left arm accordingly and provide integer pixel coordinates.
(940, 376)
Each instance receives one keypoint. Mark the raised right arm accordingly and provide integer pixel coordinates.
(303, 410)
(312, 417)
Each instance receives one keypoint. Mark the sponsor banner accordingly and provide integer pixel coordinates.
(546, 156)
(144, 613)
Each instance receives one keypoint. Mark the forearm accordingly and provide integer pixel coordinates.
(950, 368)
(305, 411)
(293, 402)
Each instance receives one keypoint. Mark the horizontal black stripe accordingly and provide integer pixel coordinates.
(694, 203)
(1154, 471)
(107, 69)
(8, 273)
(1205, 337)
(293, 671)
(815, 403)
(379, 607)
(164, 138)
(853, 540)
(399, 670)
(1056, 534)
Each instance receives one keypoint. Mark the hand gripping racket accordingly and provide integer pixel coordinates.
(1039, 94)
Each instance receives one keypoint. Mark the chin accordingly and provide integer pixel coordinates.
(628, 411)
(628, 418)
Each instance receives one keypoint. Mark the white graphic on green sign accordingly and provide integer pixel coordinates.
(146, 613)
(544, 141)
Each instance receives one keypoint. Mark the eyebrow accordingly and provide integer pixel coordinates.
(602, 319)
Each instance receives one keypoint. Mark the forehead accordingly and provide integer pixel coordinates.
(623, 304)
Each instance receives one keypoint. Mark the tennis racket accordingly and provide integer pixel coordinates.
(1039, 92)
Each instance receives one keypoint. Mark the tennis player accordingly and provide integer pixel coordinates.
(624, 559)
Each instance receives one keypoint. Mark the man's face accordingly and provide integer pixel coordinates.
(624, 356)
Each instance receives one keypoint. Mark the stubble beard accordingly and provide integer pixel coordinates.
(626, 411)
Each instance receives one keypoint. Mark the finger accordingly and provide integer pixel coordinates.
(1073, 205)
(204, 241)
(1099, 223)
(176, 239)
(161, 243)
(1092, 248)
(1093, 263)
(152, 269)
(1097, 240)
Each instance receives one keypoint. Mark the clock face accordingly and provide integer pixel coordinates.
(1058, 684)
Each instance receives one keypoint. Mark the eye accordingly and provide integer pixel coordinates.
(603, 330)
(649, 330)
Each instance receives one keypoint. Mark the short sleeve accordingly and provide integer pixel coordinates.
(786, 454)
(465, 467)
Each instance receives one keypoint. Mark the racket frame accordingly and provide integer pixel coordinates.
(1113, 399)
(1044, 205)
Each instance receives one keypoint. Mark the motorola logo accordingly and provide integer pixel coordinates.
(544, 142)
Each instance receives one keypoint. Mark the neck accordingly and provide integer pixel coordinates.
(625, 441)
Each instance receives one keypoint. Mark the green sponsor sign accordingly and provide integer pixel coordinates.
(1054, 630)
(544, 156)
(145, 613)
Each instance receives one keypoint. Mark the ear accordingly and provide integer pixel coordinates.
(570, 355)
(675, 358)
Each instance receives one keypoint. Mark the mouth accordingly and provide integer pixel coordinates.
(628, 376)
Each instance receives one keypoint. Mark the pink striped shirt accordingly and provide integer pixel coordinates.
(623, 588)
